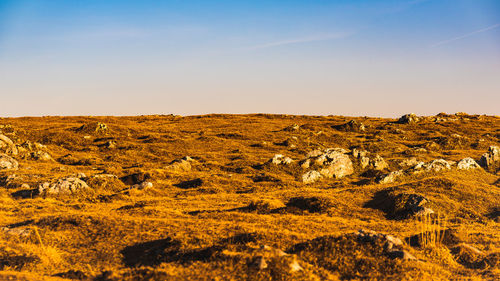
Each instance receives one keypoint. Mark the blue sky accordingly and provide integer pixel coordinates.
(377, 58)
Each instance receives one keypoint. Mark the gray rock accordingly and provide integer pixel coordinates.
(391, 177)
(491, 157)
(7, 162)
(310, 177)
(62, 186)
(408, 119)
(279, 159)
(467, 164)
(378, 163)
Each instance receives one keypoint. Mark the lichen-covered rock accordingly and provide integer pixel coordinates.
(279, 159)
(408, 119)
(351, 126)
(491, 157)
(7, 162)
(310, 177)
(467, 164)
(378, 163)
(183, 164)
(437, 165)
(7, 145)
(64, 186)
(410, 204)
(391, 177)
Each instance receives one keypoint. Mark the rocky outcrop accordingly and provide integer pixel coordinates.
(329, 163)
(64, 186)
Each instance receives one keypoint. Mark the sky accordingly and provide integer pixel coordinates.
(315, 57)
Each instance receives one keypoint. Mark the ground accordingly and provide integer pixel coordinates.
(227, 213)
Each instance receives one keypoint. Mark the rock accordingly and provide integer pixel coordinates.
(295, 266)
(410, 204)
(143, 185)
(364, 162)
(279, 159)
(41, 155)
(351, 126)
(391, 177)
(7, 145)
(7, 162)
(21, 232)
(401, 254)
(437, 165)
(66, 186)
(310, 177)
(408, 119)
(378, 163)
(408, 163)
(260, 263)
(291, 128)
(358, 153)
(183, 164)
(491, 157)
(467, 164)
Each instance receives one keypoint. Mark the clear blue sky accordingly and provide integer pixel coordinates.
(377, 58)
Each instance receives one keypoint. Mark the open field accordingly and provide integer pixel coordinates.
(210, 198)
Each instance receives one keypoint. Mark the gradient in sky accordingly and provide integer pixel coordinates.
(376, 58)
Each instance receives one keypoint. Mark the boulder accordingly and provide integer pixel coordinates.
(64, 186)
(183, 164)
(408, 119)
(7, 162)
(7, 145)
(351, 126)
(337, 165)
(491, 157)
(410, 204)
(467, 164)
(279, 159)
(310, 177)
(391, 177)
(378, 163)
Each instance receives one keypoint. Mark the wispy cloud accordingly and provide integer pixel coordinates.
(466, 35)
(315, 38)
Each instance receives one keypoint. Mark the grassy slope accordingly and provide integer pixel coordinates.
(88, 234)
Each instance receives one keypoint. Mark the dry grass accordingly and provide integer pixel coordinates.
(209, 222)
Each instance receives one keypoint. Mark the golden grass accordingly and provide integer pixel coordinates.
(89, 232)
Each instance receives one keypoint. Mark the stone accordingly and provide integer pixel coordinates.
(401, 254)
(279, 159)
(260, 263)
(410, 204)
(409, 163)
(358, 153)
(437, 165)
(491, 157)
(293, 127)
(70, 185)
(378, 163)
(41, 155)
(7, 162)
(183, 164)
(364, 162)
(408, 119)
(467, 164)
(351, 126)
(7, 145)
(142, 185)
(310, 177)
(391, 177)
